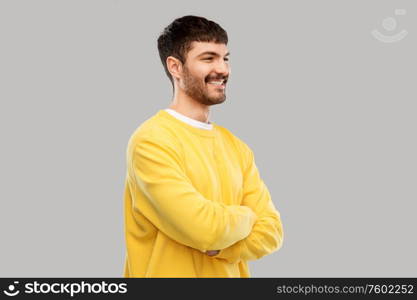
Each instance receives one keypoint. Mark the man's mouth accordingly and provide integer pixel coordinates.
(220, 83)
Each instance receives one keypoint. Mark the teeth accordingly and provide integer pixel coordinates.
(216, 82)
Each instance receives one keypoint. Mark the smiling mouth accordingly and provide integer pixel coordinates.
(218, 83)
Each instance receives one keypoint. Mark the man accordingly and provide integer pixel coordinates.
(195, 205)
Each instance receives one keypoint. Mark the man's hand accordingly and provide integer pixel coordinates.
(212, 252)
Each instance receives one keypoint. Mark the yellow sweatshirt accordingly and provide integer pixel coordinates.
(189, 190)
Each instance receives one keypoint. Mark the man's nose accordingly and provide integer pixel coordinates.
(222, 68)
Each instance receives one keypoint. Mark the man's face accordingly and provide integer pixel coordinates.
(205, 73)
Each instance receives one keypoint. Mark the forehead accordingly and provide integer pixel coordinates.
(198, 48)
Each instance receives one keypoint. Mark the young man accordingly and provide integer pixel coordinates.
(195, 205)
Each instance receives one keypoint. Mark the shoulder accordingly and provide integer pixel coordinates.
(229, 135)
(155, 132)
(241, 146)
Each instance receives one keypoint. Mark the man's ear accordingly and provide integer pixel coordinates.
(174, 66)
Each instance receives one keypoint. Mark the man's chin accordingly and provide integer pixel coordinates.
(216, 101)
(210, 100)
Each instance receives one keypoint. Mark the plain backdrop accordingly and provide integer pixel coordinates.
(329, 111)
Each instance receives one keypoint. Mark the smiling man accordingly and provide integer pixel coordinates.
(195, 204)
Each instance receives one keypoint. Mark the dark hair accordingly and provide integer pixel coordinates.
(177, 37)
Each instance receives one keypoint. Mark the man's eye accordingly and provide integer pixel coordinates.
(208, 58)
(226, 59)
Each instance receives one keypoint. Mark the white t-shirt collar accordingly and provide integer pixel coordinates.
(192, 122)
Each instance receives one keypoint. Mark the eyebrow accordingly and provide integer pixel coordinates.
(212, 53)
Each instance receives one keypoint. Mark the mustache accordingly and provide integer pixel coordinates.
(225, 78)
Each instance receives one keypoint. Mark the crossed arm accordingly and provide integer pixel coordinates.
(175, 207)
(267, 233)
(247, 231)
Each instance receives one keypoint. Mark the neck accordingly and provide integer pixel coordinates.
(189, 107)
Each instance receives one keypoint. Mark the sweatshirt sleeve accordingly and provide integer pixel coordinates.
(267, 233)
(175, 207)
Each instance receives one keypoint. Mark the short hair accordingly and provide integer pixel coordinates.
(176, 38)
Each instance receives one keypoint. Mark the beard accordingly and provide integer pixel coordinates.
(199, 91)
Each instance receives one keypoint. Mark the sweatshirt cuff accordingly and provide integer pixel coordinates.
(231, 254)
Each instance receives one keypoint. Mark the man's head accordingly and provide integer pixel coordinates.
(194, 53)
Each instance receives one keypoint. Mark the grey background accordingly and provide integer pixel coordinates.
(328, 110)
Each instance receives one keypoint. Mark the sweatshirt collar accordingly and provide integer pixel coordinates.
(188, 120)
(199, 131)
